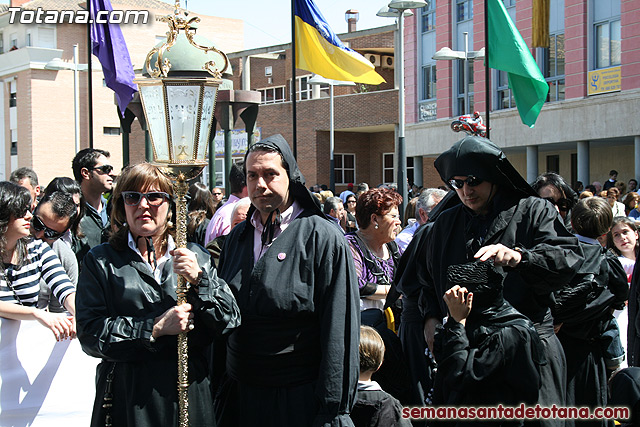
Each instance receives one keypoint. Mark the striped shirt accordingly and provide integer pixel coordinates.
(43, 263)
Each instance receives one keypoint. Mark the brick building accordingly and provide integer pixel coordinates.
(365, 115)
(584, 129)
(37, 104)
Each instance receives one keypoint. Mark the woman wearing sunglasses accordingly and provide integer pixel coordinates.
(24, 262)
(128, 313)
(553, 187)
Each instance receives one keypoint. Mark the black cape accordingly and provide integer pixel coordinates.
(294, 361)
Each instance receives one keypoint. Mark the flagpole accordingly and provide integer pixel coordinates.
(293, 78)
(487, 69)
(89, 77)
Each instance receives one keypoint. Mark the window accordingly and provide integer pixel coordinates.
(387, 168)
(553, 67)
(344, 168)
(553, 164)
(410, 170)
(272, 95)
(1, 43)
(13, 99)
(505, 99)
(28, 39)
(14, 41)
(464, 10)
(461, 107)
(428, 14)
(509, 3)
(268, 70)
(46, 37)
(14, 142)
(607, 39)
(303, 88)
(428, 82)
(110, 131)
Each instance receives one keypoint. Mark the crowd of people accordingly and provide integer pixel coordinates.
(308, 308)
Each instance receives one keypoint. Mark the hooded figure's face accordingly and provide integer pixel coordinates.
(267, 182)
(476, 198)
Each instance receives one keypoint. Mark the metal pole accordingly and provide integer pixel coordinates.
(402, 160)
(76, 98)
(466, 72)
(487, 70)
(181, 188)
(90, 75)
(293, 80)
(332, 178)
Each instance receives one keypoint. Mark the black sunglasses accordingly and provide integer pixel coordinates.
(106, 169)
(155, 198)
(217, 194)
(563, 204)
(471, 181)
(49, 233)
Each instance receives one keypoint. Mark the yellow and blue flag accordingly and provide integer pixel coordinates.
(320, 51)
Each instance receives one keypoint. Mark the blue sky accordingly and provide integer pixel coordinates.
(268, 22)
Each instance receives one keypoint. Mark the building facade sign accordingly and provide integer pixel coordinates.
(239, 142)
(603, 81)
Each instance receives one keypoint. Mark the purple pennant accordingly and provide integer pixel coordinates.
(109, 46)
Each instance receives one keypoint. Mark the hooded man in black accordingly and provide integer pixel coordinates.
(501, 218)
(294, 359)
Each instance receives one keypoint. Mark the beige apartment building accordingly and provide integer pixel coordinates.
(37, 126)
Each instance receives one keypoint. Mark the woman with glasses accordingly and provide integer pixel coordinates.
(552, 187)
(350, 207)
(24, 262)
(128, 313)
(376, 256)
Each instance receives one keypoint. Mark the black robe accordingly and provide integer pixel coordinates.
(550, 258)
(294, 360)
(584, 309)
(117, 301)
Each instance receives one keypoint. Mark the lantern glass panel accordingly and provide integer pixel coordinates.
(183, 113)
(154, 107)
(208, 103)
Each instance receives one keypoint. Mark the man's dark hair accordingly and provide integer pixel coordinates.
(22, 173)
(591, 188)
(592, 217)
(237, 178)
(634, 180)
(86, 158)
(62, 205)
(613, 172)
(268, 149)
(555, 180)
(331, 203)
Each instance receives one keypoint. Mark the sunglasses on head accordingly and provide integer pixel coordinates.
(154, 198)
(106, 169)
(563, 204)
(471, 181)
(49, 233)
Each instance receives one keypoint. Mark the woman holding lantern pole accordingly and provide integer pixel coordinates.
(129, 316)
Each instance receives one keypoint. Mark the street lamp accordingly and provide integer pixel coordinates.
(466, 55)
(401, 7)
(58, 64)
(178, 99)
(319, 80)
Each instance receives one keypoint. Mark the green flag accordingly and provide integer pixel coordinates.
(508, 52)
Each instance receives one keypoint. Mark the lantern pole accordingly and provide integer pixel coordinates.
(179, 111)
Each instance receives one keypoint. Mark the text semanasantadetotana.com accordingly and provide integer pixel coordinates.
(522, 412)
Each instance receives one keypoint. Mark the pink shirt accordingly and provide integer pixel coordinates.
(287, 217)
(220, 223)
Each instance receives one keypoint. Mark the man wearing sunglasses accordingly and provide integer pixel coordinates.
(51, 219)
(500, 217)
(91, 168)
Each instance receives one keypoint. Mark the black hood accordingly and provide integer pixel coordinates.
(297, 186)
(483, 159)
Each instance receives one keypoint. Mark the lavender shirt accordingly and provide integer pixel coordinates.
(365, 275)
